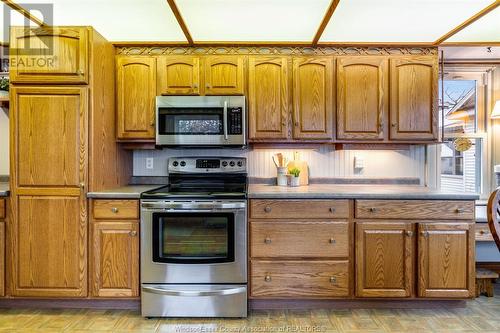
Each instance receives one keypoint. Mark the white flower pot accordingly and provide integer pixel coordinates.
(294, 181)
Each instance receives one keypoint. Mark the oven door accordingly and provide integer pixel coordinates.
(200, 120)
(193, 242)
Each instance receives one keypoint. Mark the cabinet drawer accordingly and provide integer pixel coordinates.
(2, 208)
(297, 209)
(415, 209)
(483, 233)
(116, 209)
(313, 279)
(299, 239)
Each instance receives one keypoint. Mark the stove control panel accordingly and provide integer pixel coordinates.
(207, 165)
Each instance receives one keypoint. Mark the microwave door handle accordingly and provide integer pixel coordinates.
(224, 115)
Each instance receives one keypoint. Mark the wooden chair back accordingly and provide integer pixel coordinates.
(494, 215)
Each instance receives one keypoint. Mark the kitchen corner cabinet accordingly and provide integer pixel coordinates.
(49, 55)
(313, 102)
(224, 75)
(414, 98)
(268, 98)
(362, 97)
(115, 249)
(446, 260)
(135, 97)
(384, 259)
(179, 75)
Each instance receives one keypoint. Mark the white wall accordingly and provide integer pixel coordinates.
(323, 162)
(4, 143)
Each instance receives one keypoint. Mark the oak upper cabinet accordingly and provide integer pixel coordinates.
(384, 259)
(135, 97)
(224, 75)
(268, 97)
(115, 255)
(50, 126)
(414, 98)
(179, 75)
(49, 55)
(446, 260)
(313, 98)
(362, 97)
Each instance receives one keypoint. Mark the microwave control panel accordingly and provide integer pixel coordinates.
(235, 120)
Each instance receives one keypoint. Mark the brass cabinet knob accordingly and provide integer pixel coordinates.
(82, 185)
(152, 124)
(114, 210)
(267, 278)
(195, 86)
(332, 241)
(267, 240)
(424, 233)
(332, 210)
(297, 123)
(409, 233)
(333, 279)
(267, 209)
(394, 124)
(208, 86)
(133, 233)
(459, 211)
(373, 210)
(482, 232)
(80, 72)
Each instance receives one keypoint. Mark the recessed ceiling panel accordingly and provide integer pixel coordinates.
(117, 20)
(393, 21)
(485, 29)
(253, 20)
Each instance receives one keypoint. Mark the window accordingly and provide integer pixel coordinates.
(463, 126)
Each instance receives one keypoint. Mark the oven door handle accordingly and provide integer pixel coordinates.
(193, 293)
(196, 206)
(226, 137)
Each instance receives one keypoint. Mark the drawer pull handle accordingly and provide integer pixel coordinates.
(332, 210)
(373, 210)
(332, 241)
(267, 278)
(267, 240)
(114, 210)
(409, 233)
(133, 233)
(459, 210)
(333, 279)
(267, 209)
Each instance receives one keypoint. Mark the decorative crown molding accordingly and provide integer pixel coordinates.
(259, 50)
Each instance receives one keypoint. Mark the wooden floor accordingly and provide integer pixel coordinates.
(480, 315)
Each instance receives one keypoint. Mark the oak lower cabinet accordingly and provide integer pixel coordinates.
(384, 259)
(114, 242)
(135, 97)
(294, 255)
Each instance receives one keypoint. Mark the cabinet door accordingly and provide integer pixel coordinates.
(49, 55)
(49, 246)
(362, 98)
(50, 133)
(268, 97)
(313, 98)
(135, 95)
(178, 75)
(384, 259)
(446, 260)
(2, 258)
(115, 258)
(224, 75)
(414, 98)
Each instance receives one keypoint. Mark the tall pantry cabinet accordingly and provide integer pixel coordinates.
(62, 124)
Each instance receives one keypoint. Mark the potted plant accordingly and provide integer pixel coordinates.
(294, 177)
(4, 86)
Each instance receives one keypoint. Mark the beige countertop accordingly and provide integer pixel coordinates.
(123, 192)
(4, 189)
(333, 191)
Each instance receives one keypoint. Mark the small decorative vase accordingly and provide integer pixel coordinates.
(294, 181)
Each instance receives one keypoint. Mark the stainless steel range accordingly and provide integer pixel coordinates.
(194, 240)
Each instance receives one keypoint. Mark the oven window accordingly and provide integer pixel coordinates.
(193, 237)
(190, 121)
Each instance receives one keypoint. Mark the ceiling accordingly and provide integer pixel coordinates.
(272, 21)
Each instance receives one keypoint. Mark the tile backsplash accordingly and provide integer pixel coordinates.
(324, 162)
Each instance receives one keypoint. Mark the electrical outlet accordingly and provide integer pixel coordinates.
(149, 163)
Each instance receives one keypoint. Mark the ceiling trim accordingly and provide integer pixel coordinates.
(148, 43)
(24, 12)
(470, 44)
(180, 20)
(376, 44)
(324, 23)
(468, 22)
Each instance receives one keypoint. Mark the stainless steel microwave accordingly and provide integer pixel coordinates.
(200, 120)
